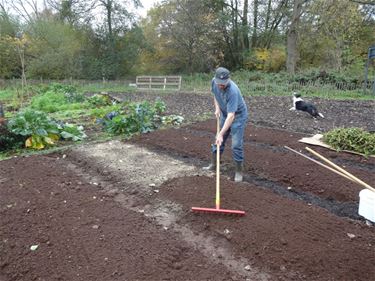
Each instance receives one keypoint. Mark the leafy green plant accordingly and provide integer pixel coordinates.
(159, 106)
(74, 97)
(135, 118)
(353, 139)
(100, 100)
(57, 97)
(39, 129)
(174, 120)
(72, 132)
(48, 101)
(57, 87)
(99, 112)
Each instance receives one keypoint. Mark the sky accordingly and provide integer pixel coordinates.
(147, 4)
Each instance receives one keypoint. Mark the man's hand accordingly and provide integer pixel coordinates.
(217, 113)
(219, 139)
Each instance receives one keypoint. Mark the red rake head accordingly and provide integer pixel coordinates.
(218, 211)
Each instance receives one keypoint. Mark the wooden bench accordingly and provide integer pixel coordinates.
(159, 82)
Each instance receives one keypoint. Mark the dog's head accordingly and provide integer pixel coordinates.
(296, 95)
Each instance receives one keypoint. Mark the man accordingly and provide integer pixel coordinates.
(231, 108)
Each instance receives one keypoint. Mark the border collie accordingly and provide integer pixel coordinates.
(300, 104)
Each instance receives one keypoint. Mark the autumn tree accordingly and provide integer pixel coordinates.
(9, 62)
(183, 35)
(335, 34)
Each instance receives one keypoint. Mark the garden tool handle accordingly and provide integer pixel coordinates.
(217, 202)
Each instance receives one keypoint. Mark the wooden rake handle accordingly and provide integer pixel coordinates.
(336, 169)
(320, 164)
(217, 200)
(346, 173)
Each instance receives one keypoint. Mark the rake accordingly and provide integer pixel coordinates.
(217, 209)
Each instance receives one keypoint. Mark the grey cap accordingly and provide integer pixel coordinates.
(222, 76)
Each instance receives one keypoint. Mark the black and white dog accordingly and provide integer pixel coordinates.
(300, 104)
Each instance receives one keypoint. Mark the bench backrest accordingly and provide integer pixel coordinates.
(159, 82)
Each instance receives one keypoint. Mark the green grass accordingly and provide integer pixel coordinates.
(96, 87)
(265, 84)
(6, 94)
(251, 84)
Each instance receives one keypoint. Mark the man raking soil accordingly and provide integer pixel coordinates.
(231, 108)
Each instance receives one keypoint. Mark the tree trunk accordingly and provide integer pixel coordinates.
(109, 18)
(254, 37)
(245, 25)
(268, 14)
(292, 37)
(235, 31)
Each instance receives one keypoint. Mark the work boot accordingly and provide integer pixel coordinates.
(239, 169)
(212, 165)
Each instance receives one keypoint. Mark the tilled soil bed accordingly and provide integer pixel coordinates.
(122, 210)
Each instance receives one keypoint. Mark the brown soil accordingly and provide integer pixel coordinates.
(122, 210)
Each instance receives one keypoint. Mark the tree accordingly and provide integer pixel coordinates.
(116, 24)
(73, 12)
(245, 25)
(9, 63)
(182, 34)
(54, 50)
(255, 24)
(292, 37)
(335, 34)
(27, 9)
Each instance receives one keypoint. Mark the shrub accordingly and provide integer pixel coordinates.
(269, 60)
(352, 139)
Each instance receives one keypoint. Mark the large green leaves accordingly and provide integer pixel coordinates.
(29, 122)
(135, 118)
(41, 131)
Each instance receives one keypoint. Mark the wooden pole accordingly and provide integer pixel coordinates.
(353, 178)
(320, 164)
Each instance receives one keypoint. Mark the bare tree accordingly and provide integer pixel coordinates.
(73, 11)
(26, 9)
(116, 13)
(273, 19)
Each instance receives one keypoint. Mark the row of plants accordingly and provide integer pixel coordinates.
(33, 127)
(136, 118)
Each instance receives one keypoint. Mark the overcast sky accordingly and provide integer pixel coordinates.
(147, 4)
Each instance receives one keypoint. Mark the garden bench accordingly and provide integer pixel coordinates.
(159, 82)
